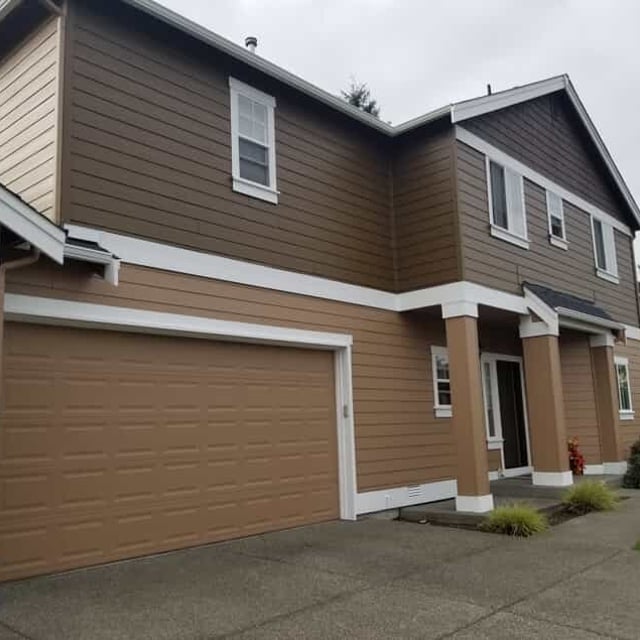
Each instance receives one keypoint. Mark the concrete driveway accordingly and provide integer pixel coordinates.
(369, 579)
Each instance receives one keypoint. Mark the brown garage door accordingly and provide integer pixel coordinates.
(114, 445)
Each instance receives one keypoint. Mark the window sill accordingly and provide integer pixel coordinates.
(561, 243)
(492, 445)
(443, 412)
(609, 277)
(507, 236)
(627, 415)
(255, 190)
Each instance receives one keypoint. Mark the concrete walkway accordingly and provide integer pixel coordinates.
(369, 579)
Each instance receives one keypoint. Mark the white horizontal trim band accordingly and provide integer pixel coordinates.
(82, 314)
(470, 139)
(154, 255)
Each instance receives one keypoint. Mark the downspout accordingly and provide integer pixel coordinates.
(4, 267)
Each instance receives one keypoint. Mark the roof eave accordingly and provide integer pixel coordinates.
(33, 227)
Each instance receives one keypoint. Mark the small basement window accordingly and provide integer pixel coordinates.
(604, 250)
(253, 142)
(506, 204)
(441, 382)
(624, 389)
(555, 215)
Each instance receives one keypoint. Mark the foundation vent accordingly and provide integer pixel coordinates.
(415, 491)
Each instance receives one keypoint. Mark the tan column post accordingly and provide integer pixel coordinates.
(545, 400)
(467, 410)
(606, 393)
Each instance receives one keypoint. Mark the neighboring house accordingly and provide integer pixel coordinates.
(268, 309)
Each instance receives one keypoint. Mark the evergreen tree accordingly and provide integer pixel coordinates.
(359, 95)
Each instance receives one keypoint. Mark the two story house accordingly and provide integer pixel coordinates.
(233, 303)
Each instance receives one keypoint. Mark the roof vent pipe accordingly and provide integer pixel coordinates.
(251, 42)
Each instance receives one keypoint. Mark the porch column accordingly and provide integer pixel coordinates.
(545, 400)
(606, 393)
(467, 421)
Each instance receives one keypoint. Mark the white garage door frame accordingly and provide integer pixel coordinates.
(68, 313)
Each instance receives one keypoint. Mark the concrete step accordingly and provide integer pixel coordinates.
(444, 513)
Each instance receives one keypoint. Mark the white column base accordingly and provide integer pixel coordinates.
(474, 504)
(615, 468)
(594, 470)
(553, 478)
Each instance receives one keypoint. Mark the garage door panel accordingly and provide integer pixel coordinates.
(114, 445)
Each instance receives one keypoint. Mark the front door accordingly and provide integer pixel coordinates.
(505, 410)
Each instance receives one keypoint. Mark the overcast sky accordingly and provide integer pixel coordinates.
(419, 55)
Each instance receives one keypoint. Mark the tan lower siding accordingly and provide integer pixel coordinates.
(398, 439)
(630, 429)
(579, 399)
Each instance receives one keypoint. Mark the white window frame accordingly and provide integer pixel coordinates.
(242, 185)
(625, 414)
(521, 241)
(556, 241)
(610, 271)
(440, 410)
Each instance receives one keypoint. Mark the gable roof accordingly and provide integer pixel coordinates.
(560, 301)
(456, 112)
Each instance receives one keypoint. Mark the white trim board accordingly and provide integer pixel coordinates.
(477, 143)
(95, 316)
(100, 316)
(154, 255)
(475, 107)
(383, 499)
(26, 222)
(632, 333)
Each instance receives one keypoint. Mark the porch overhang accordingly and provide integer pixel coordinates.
(550, 310)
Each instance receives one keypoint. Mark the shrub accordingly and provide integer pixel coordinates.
(636, 546)
(576, 459)
(516, 520)
(589, 496)
(631, 479)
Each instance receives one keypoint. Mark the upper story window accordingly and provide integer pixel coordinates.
(253, 145)
(624, 388)
(604, 250)
(441, 382)
(555, 215)
(506, 204)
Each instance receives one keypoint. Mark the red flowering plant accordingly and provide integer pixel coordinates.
(576, 459)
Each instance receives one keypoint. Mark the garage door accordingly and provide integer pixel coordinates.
(115, 445)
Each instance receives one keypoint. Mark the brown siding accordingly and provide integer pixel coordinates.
(399, 442)
(630, 429)
(149, 155)
(499, 264)
(424, 209)
(579, 398)
(546, 135)
(28, 118)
